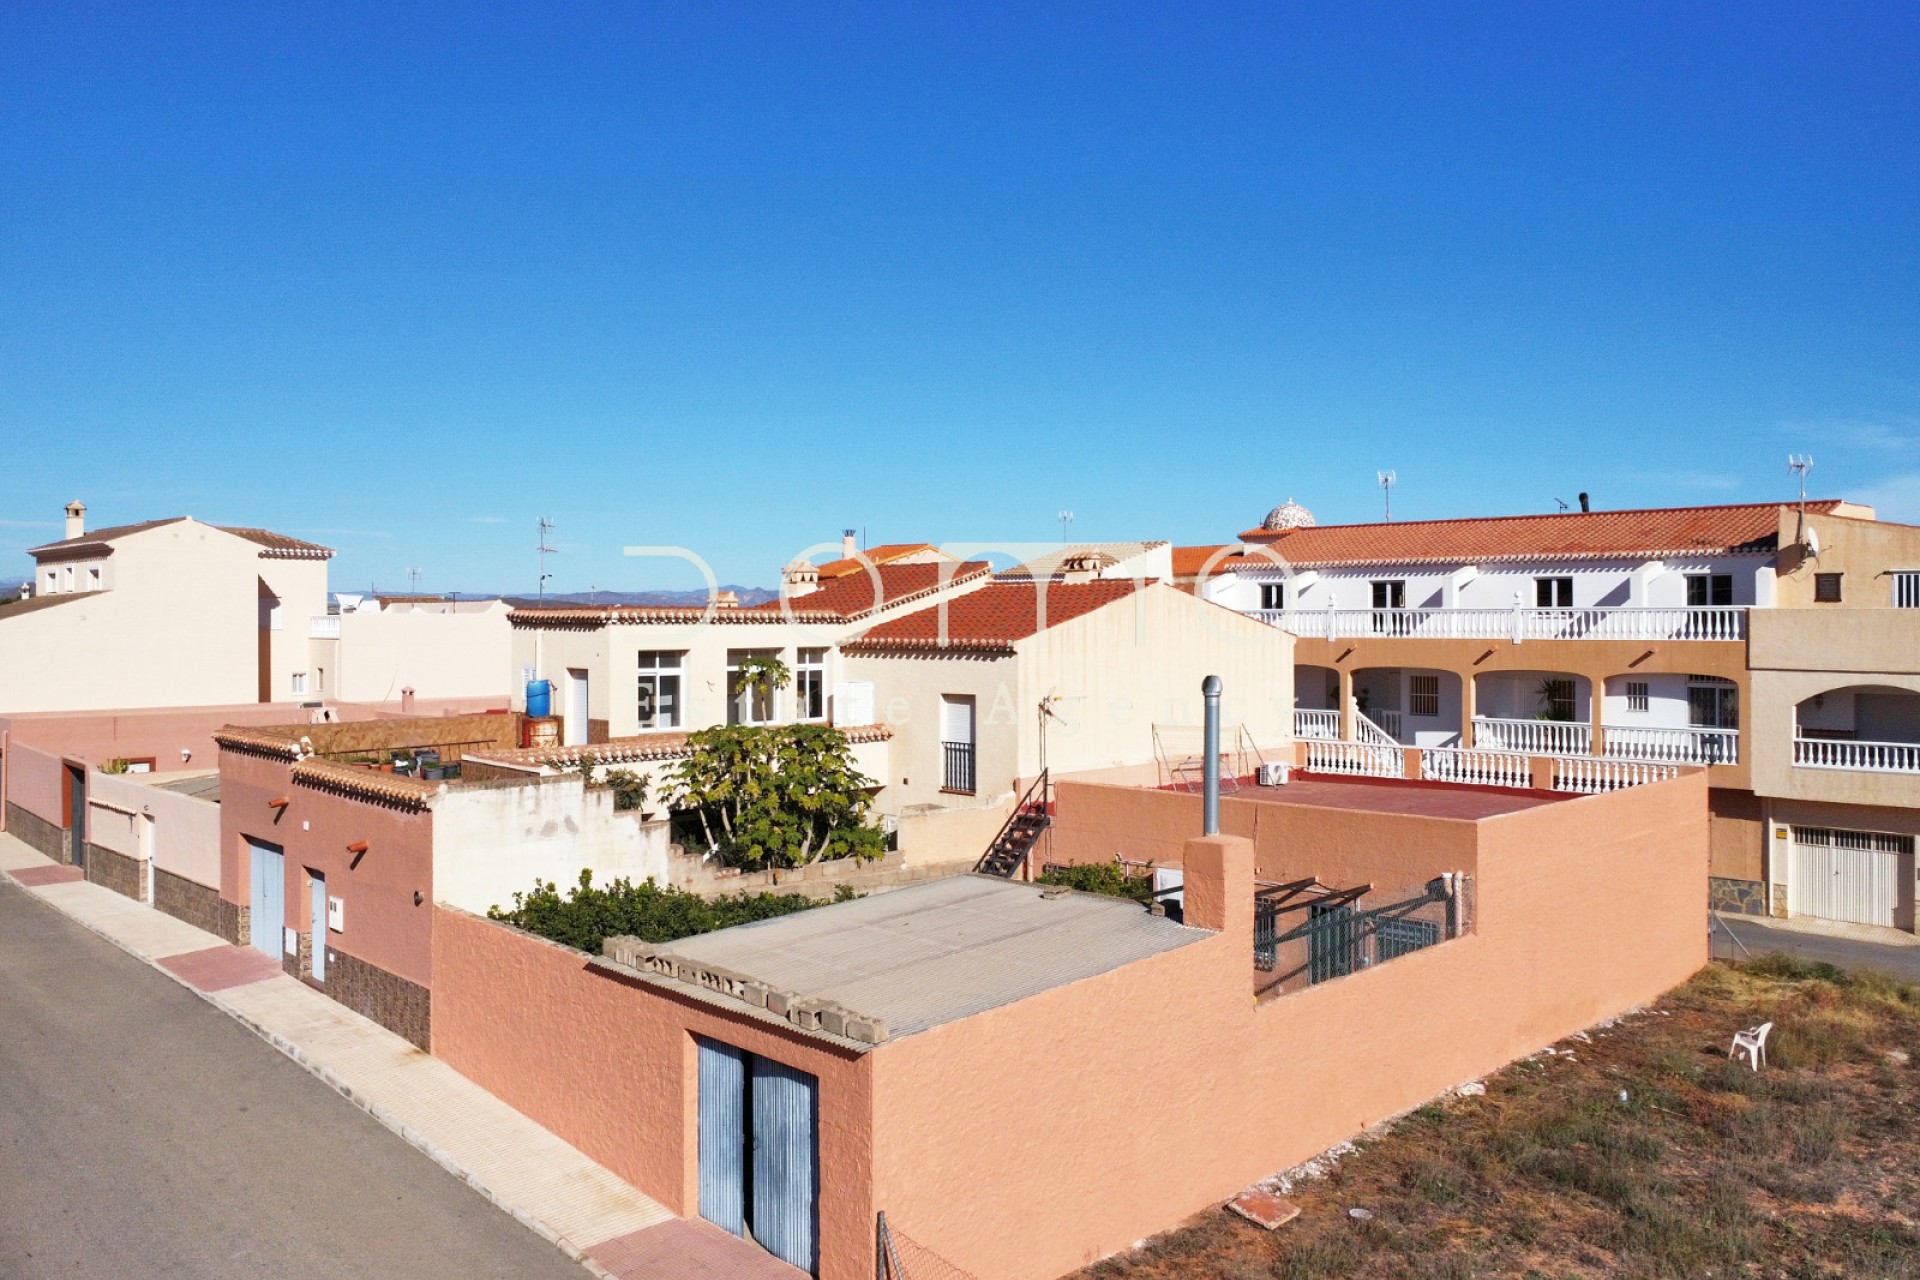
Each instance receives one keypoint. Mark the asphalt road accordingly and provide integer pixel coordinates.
(144, 1133)
(1855, 947)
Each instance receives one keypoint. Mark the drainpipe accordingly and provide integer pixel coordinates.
(1210, 810)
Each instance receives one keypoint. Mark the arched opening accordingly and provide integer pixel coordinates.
(1316, 701)
(1415, 706)
(1867, 727)
(1540, 712)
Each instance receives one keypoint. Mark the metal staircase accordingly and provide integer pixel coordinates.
(1009, 850)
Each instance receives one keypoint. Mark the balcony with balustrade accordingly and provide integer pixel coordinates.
(1518, 625)
(1863, 729)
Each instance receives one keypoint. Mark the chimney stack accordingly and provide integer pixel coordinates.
(1584, 508)
(76, 518)
(847, 545)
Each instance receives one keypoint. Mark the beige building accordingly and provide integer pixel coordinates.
(380, 650)
(1064, 676)
(618, 671)
(166, 613)
(1776, 647)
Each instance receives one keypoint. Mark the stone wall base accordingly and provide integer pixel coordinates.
(402, 1007)
(35, 830)
(117, 872)
(1737, 897)
(199, 906)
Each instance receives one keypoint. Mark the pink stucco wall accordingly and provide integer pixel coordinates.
(609, 1065)
(36, 781)
(1149, 1093)
(384, 926)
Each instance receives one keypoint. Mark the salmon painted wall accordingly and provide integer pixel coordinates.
(383, 925)
(1291, 841)
(1154, 1091)
(36, 781)
(609, 1065)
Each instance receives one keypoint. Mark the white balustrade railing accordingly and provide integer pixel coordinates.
(1589, 774)
(1355, 758)
(1715, 622)
(1478, 768)
(1535, 737)
(1383, 732)
(324, 626)
(1315, 723)
(1864, 757)
(1674, 745)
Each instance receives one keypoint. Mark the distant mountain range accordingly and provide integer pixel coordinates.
(695, 598)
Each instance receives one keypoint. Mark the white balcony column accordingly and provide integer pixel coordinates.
(1348, 729)
(1596, 715)
(1469, 708)
(1519, 618)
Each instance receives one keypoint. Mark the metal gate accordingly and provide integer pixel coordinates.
(267, 898)
(1855, 876)
(759, 1151)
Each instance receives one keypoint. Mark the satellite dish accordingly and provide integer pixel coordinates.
(1813, 542)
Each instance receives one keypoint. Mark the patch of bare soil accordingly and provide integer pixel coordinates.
(1810, 1168)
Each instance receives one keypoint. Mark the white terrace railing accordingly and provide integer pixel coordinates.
(1717, 622)
(1379, 726)
(324, 626)
(1673, 745)
(1535, 737)
(1479, 768)
(1315, 724)
(1588, 774)
(1864, 757)
(1355, 758)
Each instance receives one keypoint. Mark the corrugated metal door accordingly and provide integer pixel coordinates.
(786, 1181)
(1847, 875)
(723, 1136)
(267, 914)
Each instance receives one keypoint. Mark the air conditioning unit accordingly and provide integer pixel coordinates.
(1272, 773)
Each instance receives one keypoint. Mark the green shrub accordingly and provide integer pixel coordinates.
(1109, 878)
(587, 916)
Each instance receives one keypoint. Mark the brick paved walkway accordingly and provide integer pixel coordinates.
(547, 1185)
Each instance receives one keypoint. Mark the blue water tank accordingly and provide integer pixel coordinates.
(539, 697)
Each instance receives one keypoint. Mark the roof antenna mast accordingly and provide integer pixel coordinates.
(1065, 518)
(1388, 479)
(1798, 464)
(546, 531)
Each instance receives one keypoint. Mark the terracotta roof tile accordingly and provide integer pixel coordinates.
(994, 617)
(1189, 561)
(855, 596)
(594, 616)
(371, 784)
(885, 553)
(95, 541)
(632, 750)
(1665, 531)
(279, 545)
(281, 744)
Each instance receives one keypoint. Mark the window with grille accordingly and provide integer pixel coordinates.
(1713, 702)
(1636, 695)
(1826, 588)
(1273, 595)
(1906, 589)
(1556, 699)
(1423, 695)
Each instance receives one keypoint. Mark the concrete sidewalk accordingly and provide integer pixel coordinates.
(548, 1186)
(1847, 946)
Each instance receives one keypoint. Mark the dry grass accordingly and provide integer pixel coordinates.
(1809, 1169)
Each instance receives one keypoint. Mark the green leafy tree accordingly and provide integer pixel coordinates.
(776, 795)
(629, 788)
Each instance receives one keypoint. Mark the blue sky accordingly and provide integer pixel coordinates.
(404, 282)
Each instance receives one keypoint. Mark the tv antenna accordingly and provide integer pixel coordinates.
(413, 580)
(1388, 479)
(1799, 464)
(1065, 518)
(1562, 504)
(546, 532)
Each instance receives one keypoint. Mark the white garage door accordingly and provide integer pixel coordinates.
(1849, 875)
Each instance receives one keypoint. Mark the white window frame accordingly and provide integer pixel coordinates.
(1710, 580)
(299, 684)
(1639, 695)
(653, 668)
(1558, 589)
(1273, 596)
(810, 685)
(741, 705)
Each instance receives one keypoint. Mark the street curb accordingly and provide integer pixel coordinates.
(385, 1119)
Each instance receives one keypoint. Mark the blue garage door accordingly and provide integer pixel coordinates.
(760, 1151)
(267, 904)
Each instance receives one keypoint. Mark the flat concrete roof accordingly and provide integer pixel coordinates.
(940, 951)
(206, 786)
(1400, 795)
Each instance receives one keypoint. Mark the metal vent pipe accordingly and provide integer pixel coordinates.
(1210, 810)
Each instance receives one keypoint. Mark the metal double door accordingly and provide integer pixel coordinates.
(759, 1151)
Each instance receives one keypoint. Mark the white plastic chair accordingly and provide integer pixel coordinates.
(1753, 1043)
